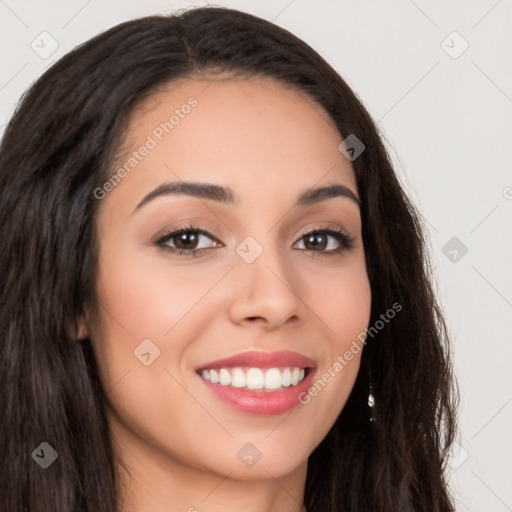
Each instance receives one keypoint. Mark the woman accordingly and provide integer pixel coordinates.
(215, 293)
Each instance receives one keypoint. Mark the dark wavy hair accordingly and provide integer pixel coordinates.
(61, 144)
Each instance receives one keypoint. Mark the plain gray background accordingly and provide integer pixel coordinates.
(445, 111)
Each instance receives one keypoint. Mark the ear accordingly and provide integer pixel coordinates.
(83, 328)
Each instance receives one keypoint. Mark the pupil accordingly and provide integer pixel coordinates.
(186, 238)
(311, 239)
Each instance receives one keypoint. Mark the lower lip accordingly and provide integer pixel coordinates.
(261, 402)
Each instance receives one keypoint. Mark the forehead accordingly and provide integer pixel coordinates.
(249, 133)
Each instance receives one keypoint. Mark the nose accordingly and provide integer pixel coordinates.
(264, 292)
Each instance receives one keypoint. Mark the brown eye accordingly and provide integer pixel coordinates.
(318, 241)
(184, 240)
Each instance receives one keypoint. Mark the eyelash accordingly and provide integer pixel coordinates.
(345, 240)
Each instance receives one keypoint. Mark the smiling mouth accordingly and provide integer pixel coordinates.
(255, 379)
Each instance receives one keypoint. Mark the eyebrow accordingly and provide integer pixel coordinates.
(226, 195)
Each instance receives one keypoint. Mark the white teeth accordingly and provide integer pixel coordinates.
(269, 379)
(255, 379)
(224, 377)
(287, 377)
(273, 379)
(238, 379)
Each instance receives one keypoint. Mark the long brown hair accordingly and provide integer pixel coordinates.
(60, 146)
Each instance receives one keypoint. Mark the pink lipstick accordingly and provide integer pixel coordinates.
(259, 382)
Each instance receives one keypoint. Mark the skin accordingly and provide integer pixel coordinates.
(175, 443)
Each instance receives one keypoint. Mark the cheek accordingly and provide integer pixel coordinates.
(342, 301)
(152, 299)
(350, 313)
(149, 296)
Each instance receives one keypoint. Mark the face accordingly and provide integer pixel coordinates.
(258, 271)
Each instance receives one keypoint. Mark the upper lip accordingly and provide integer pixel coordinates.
(258, 359)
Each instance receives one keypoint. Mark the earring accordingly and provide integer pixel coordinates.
(371, 403)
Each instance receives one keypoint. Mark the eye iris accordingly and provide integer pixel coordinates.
(186, 240)
(312, 240)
